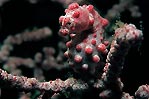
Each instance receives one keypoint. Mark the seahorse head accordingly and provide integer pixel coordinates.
(77, 19)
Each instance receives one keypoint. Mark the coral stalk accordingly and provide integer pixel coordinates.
(24, 83)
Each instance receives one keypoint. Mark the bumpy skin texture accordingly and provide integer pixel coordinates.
(87, 45)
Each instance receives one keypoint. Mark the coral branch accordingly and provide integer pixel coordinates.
(125, 37)
(25, 83)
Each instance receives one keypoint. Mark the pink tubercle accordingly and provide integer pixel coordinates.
(73, 6)
(96, 58)
(78, 58)
(88, 50)
(101, 48)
